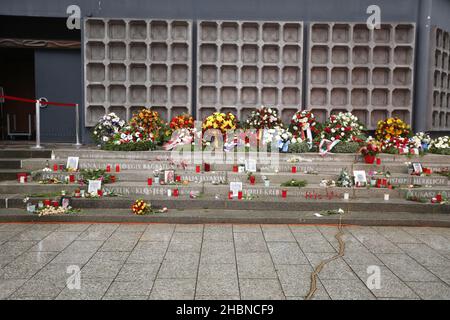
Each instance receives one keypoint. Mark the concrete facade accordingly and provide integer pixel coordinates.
(424, 14)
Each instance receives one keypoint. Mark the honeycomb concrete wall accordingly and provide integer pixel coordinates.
(439, 97)
(135, 63)
(242, 65)
(367, 72)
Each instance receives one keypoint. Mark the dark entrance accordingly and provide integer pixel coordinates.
(17, 79)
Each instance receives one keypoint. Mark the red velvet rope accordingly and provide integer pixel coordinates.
(59, 104)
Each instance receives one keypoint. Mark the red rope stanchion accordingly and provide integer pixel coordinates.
(38, 104)
(58, 104)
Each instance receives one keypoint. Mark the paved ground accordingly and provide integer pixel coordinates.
(162, 261)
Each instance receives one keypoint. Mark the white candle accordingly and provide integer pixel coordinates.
(346, 196)
(267, 183)
(22, 179)
(169, 193)
(386, 197)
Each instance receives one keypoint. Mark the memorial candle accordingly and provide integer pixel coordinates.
(149, 181)
(108, 168)
(294, 169)
(378, 161)
(235, 169)
(252, 179)
(175, 192)
(197, 168)
(72, 178)
(55, 167)
(230, 195)
(117, 168)
(283, 193)
(239, 195)
(207, 167)
(178, 178)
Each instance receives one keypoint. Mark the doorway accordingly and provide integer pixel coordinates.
(17, 79)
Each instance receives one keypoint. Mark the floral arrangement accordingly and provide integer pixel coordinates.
(344, 127)
(440, 145)
(281, 136)
(182, 136)
(182, 121)
(131, 137)
(95, 174)
(392, 128)
(140, 207)
(421, 141)
(371, 148)
(50, 210)
(302, 121)
(106, 127)
(152, 124)
(221, 121)
(344, 180)
(264, 118)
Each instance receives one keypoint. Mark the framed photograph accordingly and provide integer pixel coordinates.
(94, 186)
(417, 167)
(65, 202)
(360, 177)
(250, 165)
(72, 163)
(169, 176)
(235, 187)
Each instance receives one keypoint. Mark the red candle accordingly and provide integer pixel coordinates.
(117, 168)
(378, 161)
(230, 195)
(175, 192)
(108, 168)
(113, 179)
(283, 193)
(294, 169)
(100, 192)
(252, 179)
(149, 181)
(55, 167)
(61, 167)
(24, 175)
(235, 169)
(239, 195)
(384, 182)
(207, 167)
(439, 198)
(47, 202)
(197, 168)
(71, 178)
(178, 178)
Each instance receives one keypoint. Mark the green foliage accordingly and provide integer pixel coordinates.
(299, 147)
(295, 183)
(95, 174)
(132, 146)
(346, 147)
(440, 151)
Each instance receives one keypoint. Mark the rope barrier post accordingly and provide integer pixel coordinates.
(38, 125)
(77, 125)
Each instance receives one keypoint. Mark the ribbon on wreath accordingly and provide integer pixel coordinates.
(328, 146)
(308, 136)
(177, 140)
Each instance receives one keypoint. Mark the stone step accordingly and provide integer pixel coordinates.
(257, 191)
(11, 174)
(284, 167)
(10, 163)
(315, 157)
(24, 153)
(249, 207)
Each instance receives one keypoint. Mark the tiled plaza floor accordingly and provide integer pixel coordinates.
(161, 261)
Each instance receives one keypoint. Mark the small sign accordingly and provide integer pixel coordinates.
(72, 163)
(250, 165)
(360, 177)
(94, 186)
(169, 176)
(417, 167)
(235, 187)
